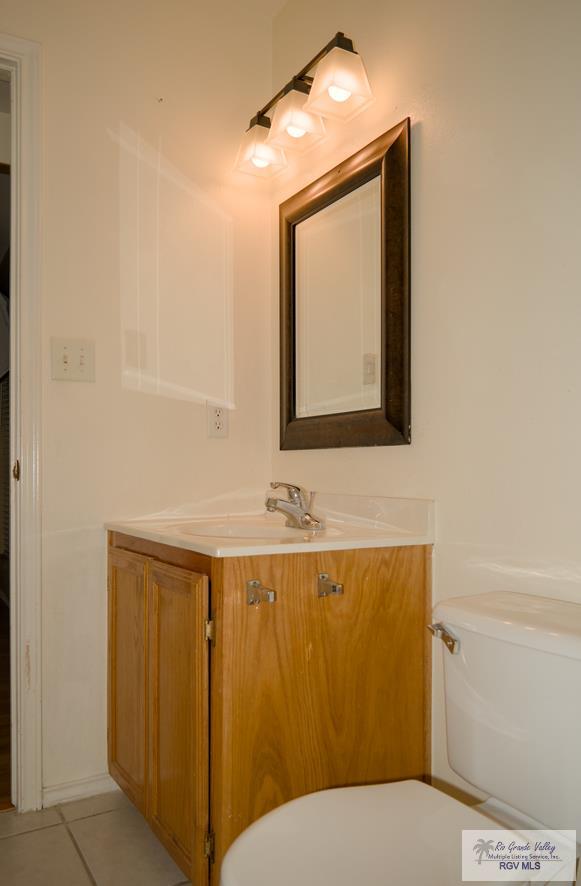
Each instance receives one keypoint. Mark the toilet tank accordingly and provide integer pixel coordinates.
(513, 701)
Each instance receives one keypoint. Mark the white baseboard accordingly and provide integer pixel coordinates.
(77, 790)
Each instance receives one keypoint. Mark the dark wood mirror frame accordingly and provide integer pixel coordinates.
(389, 425)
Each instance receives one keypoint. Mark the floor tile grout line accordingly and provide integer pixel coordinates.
(84, 861)
(44, 827)
(77, 847)
(57, 824)
(91, 815)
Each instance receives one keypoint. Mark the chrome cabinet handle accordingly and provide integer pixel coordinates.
(257, 593)
(326, 586)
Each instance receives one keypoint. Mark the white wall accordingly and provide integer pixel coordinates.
(492, 89)
(148, 238)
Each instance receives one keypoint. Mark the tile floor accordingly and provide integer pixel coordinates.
(100, 841)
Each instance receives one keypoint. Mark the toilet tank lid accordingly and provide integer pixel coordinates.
(523, 619)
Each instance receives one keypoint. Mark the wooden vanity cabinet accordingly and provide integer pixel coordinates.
(221, 711)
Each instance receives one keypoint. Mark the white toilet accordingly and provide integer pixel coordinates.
(512, 665)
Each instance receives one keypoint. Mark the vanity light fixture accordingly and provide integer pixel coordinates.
(339, 89)
(292, 126)
(256, 155)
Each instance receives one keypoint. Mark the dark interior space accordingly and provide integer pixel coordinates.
(5, 768)
(4, 707)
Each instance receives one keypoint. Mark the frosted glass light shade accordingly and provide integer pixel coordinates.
(340, 88)
(294, 127)
(257, 156)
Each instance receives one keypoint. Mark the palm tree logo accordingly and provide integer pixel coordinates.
(483, 847)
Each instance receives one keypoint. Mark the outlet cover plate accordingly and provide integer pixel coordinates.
(218, 420)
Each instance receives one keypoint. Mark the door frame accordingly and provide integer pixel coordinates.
(23, 59)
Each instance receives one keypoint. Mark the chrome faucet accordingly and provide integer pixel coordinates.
(296, 508)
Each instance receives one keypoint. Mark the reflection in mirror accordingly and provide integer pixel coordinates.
(338, 305)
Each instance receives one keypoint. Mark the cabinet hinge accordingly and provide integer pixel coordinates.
(210, 630)
(209, 845)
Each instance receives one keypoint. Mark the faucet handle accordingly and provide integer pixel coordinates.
(296, 494)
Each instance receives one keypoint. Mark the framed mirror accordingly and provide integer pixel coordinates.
(345, 302)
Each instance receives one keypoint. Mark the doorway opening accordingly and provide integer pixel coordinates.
(5, 597)
(20, 435)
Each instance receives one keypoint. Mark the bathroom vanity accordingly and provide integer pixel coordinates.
(259, 664)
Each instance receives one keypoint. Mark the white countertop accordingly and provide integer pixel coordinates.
(351, 522)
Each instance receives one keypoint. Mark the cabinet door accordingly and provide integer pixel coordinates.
(127, 731)
(371, 666)
(315, 692)
(178, 715)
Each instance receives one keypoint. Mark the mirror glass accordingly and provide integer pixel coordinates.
(338, 305)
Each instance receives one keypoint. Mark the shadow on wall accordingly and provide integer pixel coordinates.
(176, 280)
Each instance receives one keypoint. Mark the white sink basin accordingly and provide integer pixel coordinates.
(352, 522)
(248, 527)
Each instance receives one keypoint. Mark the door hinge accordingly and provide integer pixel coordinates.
(16, 469)
(209, 846)
(210, 630)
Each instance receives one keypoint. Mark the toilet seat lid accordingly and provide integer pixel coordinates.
(403, 833)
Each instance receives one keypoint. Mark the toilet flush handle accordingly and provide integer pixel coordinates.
(442, 633)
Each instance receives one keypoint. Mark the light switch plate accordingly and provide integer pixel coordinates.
(72, 359)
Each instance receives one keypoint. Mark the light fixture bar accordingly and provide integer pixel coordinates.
(339, 40)
(301, 81)
(339, 88)
(259, 119)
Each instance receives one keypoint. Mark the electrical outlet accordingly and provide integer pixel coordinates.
(217, 417)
